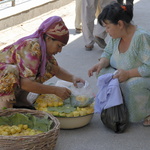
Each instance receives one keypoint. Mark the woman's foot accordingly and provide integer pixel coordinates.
(146, 122)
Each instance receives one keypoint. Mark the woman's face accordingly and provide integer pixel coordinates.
(114, 30)
(53, 46)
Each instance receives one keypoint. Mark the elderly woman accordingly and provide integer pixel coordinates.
(128, 52)
(27, 63)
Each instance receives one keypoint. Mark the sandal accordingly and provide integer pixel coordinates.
(146, 122)
(78, 30)
(89, 48)
(101, 42)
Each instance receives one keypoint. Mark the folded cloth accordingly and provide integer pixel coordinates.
(109, 93)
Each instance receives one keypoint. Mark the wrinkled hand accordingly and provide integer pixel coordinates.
(96, 68)
(63, 92)
(77, 80)
(122, 75)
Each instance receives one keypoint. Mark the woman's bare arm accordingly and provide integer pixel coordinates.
(35, 87)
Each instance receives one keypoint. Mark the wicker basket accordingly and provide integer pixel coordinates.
(43, 141)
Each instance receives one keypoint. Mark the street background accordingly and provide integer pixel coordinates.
(76, 60)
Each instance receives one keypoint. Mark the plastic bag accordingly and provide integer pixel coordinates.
(115, 118)
(82, 95)
(31, 97)
(62, 83)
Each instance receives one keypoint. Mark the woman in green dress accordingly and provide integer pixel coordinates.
(128, 51)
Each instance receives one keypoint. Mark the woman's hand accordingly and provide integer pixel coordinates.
(77, 80)
(96, 68)
(103, 63)
(35, 87)
(122, 75)
(63, 92)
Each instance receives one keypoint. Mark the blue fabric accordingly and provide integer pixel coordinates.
(109, 93)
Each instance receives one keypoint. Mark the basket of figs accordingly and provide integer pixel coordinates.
(25, 129)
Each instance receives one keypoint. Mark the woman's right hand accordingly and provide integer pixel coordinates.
(63, 92)
(96, 68)
(104, 62)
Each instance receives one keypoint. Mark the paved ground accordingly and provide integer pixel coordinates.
(76, 60)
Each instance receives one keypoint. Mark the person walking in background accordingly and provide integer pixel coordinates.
(100, 38)
(78, 22)
(88, 17)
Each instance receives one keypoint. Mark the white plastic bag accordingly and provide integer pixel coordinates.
(62, 83)
(31, 97)
(82, 95)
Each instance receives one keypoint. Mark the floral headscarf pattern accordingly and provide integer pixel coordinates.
(54, 27)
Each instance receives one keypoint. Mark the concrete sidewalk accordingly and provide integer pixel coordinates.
(75, 59)
(27, 9)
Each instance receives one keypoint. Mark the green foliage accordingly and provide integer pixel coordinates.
(4, 121)
(43, 124)
(62, 109)
(18, 118)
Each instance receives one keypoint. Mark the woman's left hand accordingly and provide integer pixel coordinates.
(77, 80)
(122, 75)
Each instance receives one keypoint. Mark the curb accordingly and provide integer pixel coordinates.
(19, 14)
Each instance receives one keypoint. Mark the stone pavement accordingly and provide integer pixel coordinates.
(75, 59)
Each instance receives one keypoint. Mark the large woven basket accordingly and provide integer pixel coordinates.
(43, 141)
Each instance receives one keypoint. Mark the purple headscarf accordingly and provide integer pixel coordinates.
(48, 25)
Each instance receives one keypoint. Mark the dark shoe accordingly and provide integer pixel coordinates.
(78, 30)
(101, 43)
(89, 48)
(146, 122)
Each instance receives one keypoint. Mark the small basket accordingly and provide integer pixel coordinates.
(42, 141)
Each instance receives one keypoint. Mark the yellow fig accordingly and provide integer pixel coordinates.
(50, 104)
(90, 111)
(55, 104)
(78, 108)
(75, 113)
(62, 114)
(60, 103)
(82, 112)
(55, 113)
(43, 104)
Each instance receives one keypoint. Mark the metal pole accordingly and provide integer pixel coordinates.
(13, 3)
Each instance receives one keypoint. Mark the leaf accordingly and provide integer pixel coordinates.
(67, 101)
(32, 119)
(4, 108)
(62, 109)
(42, 124)
(4, 121)
(19, 118)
